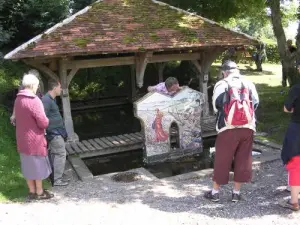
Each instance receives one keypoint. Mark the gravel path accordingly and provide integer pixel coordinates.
(153, 201)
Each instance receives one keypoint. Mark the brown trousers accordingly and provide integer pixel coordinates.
(234, 144)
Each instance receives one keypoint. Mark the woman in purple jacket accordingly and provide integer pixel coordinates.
(39, 91)
(31, 122)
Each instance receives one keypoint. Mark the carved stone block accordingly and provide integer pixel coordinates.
(157, 112)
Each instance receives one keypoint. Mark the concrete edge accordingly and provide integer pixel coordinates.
(267, 143)
(266, 157)
(80, 168)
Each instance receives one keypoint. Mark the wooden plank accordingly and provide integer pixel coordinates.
(128, 60)
(88, 145)
(91, 63)
(125, 139)
(132, 139)
(120, 140)
(69, 149)
(82, 147)
(75, 147)
(137, 136)
(107, 142)
(93, 143)
(101, 143)
(140, 134)
(136, 140)
(113, 141)
(135, 147)
(174, 57)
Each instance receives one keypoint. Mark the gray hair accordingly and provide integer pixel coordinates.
(170, 81)
(34, 72)
(30, 81)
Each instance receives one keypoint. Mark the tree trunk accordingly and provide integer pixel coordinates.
(287, 58)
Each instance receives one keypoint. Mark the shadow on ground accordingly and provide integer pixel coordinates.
(261, 197)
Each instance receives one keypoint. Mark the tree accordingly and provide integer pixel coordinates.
(23, 19)
(220, 10)
(76, 5)
(287, 58)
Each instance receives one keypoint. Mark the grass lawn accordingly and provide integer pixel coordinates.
(12, 183)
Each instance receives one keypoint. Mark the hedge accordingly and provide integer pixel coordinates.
(272, 53)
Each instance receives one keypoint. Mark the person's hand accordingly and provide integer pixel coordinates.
(149, 89)
(13, 120)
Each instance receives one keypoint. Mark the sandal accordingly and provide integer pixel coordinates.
(45, 195)
(292, 206)
(30, 197)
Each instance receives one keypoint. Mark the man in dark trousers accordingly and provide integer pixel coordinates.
(55, 133)
(235, 136)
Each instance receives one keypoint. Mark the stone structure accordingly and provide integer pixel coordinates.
(157, 112)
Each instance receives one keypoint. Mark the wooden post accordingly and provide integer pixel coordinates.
(66, 101)
(141, 62)
(203, 67)
(133, 83)
(161, 67)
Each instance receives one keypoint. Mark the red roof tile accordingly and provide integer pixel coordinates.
(117, 26)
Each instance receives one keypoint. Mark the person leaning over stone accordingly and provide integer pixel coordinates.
(55, 133)
(290, 154)
(31, 122)
(39, 91)
(236, 127)
(169, 87)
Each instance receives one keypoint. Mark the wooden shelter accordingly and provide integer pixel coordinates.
(127, 32)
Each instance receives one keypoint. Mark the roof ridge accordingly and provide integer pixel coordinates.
(49, 31)
(203, 18)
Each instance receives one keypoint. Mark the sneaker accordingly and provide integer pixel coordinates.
(236, 197)
(211, 197)
(66, 178)
(60, 182)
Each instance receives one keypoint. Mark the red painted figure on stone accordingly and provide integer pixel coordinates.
(160, 134)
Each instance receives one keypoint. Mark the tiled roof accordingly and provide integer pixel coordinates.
(119, 26)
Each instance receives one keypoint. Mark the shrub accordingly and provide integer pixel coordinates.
(272, 53)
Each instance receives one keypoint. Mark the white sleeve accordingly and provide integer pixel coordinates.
(219, 89)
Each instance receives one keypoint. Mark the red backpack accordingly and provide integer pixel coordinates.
(238, 106)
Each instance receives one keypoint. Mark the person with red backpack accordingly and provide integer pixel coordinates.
(235, 101)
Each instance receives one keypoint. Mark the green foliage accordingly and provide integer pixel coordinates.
(99, 82)
(23, 19)
(10, 76)
(77, 5)
(272, 53)
(220, 10)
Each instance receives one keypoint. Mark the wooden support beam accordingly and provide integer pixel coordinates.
(92, 63)
(129, 60)
(42, 68)
(65, 98)
(198, 67)
(141, 61)
(71, 75)
(203, 67)
(174, 57)
(161, 67)
(133, 83)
